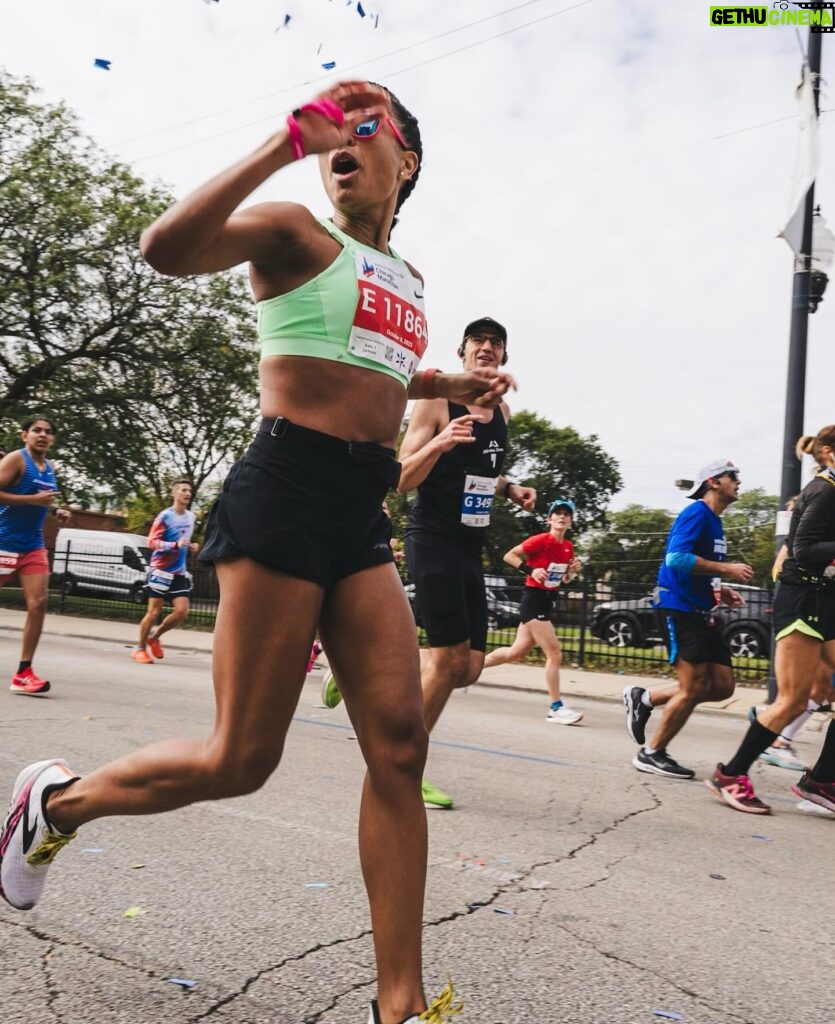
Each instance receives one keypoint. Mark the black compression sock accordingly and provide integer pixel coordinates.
(824, 770)
(24, 665)
(756, 740)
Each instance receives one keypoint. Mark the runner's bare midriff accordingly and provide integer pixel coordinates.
(345, 401)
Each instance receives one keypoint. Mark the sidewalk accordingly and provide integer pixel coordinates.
(605, 686)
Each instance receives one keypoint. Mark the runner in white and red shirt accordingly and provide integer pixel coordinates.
(548, 560)
(168, 579)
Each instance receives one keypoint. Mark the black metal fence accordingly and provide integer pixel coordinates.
(602, 625)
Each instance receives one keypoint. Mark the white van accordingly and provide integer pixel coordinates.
(101, 560)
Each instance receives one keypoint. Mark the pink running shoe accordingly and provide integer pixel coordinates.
(27, 682)
(737, 792)
(820, 793)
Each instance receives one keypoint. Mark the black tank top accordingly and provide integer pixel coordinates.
(811, 539)
(442, 505)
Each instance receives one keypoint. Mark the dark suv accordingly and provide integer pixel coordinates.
(635, 623)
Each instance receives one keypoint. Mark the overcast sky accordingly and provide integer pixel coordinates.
(605, 177)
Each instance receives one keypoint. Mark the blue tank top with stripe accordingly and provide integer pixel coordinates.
(21, 526)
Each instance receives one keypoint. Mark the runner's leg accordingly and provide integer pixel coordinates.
(34, 587)
(258, 675)
(369, 633)
(148, 619)
(522, 645)
(179, 610)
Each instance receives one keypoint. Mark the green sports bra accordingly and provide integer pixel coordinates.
(365, 309)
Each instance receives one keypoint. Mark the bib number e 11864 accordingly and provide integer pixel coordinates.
(389, 324)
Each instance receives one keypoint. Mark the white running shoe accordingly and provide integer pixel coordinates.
(564, 716)
(783, 757)
(27, 842)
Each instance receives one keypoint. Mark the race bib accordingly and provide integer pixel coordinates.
(160, 581)
(8, 562)
(389, 326)
(556, 573)
(478, 500)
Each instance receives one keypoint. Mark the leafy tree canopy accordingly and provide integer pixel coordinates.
(147, 377)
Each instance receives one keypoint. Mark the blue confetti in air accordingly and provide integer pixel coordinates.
(182, 982)
(329, 65)
(668, 1015)
(100, 62)
(360, 11)
(376, 20)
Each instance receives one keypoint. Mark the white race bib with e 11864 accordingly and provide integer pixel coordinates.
(478, 500)
(389, 325)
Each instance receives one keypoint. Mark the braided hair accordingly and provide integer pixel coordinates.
(408, 125)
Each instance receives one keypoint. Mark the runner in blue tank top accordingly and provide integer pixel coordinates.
(27, 492)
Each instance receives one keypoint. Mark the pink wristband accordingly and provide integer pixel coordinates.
(296, 138)
(325, 108)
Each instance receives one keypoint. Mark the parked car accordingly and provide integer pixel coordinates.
(636, 623)
(502, 611)
(116, 563)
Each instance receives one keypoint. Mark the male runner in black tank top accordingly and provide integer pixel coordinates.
(453, 455)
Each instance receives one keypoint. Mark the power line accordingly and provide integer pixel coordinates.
(353, 67)
(392, 74)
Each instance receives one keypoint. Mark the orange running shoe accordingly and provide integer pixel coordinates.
(141, 655)
(156, 648)
(27, 682)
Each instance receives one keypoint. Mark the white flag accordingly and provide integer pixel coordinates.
(808, 161)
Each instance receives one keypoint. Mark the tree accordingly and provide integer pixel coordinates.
(147, 376)
(558, 462)
(631, 547)
(750, 530)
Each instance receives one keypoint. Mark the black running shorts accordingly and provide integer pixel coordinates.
(306, 504)
(695, 637)
(804, 609)
(449, 587)
(536, 604)
(180, 587)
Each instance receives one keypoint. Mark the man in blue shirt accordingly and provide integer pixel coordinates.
(689, 589)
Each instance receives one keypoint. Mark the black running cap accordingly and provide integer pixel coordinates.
(486, 321)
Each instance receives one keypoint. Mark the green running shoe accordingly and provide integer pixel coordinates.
(331, 697)
(434, 797)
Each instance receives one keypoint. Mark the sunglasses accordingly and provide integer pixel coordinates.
(731, 476)
(368, 129)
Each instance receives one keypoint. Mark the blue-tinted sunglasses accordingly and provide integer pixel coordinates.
(368, 129)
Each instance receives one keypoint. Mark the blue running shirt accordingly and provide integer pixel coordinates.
(21, 526)
(697, 531)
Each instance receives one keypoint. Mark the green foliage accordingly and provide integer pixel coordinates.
(147, 377)
(630, 548)
(749, 527)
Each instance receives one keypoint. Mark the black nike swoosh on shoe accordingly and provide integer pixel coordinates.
(28, 833)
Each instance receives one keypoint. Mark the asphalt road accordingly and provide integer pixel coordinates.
(608, 876)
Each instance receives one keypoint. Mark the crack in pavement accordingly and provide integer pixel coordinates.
(296, 958)
(656, 974)
(54, 942)
(52, 992)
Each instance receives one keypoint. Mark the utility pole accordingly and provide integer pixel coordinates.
(796, 379)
